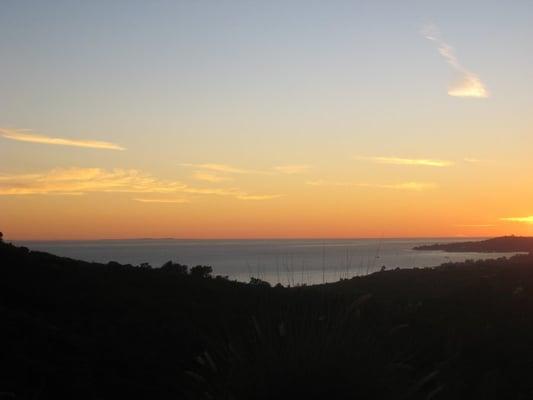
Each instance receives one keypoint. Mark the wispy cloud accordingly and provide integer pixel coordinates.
(469, 84)
(426, 162)
(27, 136)
(292, 169)
(321, 182)
(86, 180)
(525, 220)
(210, 177)
(255, 197)
(148, 200)
(477, 161)
(414, 186)
(474, 225)
(223, 168)
(76, 181)
(235, 193)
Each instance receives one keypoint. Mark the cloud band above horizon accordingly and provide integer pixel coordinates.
(426, 162)
(524, 220)
(79, 181)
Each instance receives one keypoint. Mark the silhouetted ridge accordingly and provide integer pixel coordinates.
(504, 244)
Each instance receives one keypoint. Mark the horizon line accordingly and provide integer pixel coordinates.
(261, 238)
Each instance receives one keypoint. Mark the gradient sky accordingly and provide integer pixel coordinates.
(210, 119)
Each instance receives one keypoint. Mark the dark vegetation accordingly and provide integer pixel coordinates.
(77, 330)
(504, 244)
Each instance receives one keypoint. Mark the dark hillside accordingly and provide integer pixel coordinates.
(504, 244)
(79, 330)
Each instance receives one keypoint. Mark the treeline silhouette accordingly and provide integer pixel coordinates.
(79, 330)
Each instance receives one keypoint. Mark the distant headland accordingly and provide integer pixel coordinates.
(504, 244)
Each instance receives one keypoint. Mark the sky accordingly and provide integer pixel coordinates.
(278, 119)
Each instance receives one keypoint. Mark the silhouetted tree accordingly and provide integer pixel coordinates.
(175, 268)
(145, 265)
(1, 237)
(259, 282)
(201, 271)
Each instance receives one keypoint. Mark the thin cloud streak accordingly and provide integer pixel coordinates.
(178, 201)
(24, 136)
(474, 225)
(77, 181)
(477, 161)
(290, 169)
(525, 220)
(469, 84)
(235, 193)
(332, 183)
(86, 180)
(253, 197)
(425, 162)
(413, 186)
(223, 168)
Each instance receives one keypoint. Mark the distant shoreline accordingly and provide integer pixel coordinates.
(308, 261)
(504, 244)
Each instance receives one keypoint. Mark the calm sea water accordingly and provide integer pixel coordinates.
(286, 261)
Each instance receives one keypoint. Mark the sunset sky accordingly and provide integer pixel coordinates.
(245, 119)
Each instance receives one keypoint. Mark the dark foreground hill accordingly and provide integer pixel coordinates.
(77, 330)
(504, 244)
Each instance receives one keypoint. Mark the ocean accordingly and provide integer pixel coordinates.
(286, 261)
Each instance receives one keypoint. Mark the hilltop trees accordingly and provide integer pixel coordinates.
(175, 268)
(259, 282)
(201, 271)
